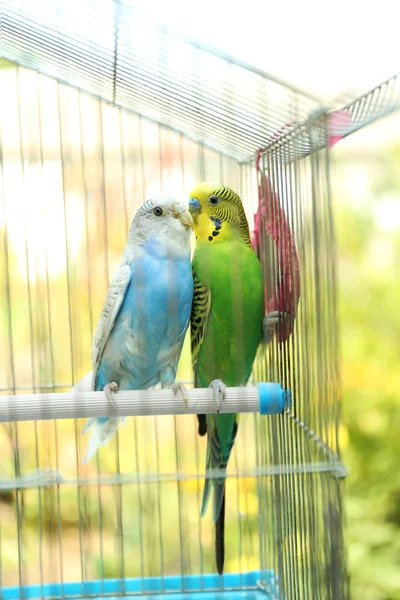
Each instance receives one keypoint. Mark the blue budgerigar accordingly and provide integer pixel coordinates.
(140, 333)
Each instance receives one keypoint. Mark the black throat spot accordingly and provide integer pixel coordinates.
(214, 234)
(218, 225)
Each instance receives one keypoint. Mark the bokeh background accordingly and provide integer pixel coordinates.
(366, 184)
(366, 195)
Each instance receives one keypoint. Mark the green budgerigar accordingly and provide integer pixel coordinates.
(227, 324)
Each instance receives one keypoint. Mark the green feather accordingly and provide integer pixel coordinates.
(226, 324)
(232, 324)
(228, 309)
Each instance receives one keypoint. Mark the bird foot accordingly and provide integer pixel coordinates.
(180, 388)
(219, 391)
(108, 390)
(271, 320)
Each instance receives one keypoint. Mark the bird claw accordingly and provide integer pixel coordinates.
(219, 391)
(108, 390)
(271, 320)
(179, 387)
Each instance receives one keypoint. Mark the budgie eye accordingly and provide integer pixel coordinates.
(158, 211)
(214, 200)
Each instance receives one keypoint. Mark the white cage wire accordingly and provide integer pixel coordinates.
(100, 113)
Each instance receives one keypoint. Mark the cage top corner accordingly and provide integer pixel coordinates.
(126, 58)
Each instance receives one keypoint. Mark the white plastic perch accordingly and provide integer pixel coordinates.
(266, 398)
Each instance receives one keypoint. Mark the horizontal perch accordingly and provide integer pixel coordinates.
(266, 398)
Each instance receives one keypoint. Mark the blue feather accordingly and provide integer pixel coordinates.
(145, 343)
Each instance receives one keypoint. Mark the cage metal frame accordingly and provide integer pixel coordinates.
(304, 440)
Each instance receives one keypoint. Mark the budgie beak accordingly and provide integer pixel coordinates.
(179, 211)
(194, 208)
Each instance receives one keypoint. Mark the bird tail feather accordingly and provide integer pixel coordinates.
(102, 432)
(218, 509)
(217, 485)
(220, 533)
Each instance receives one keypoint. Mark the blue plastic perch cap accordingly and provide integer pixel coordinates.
(273, 399)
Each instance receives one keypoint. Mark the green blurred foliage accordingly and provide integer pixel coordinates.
(368, 228)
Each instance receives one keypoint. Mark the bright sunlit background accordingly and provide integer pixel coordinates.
(330, 49)
(324, 48)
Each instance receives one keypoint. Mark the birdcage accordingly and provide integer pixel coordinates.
(102, 110)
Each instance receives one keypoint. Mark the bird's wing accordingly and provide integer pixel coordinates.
(198, 322)
(115, 297)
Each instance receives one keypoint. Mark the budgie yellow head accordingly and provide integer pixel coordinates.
(218, 213)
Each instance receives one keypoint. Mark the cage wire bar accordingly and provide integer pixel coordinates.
(100, 113)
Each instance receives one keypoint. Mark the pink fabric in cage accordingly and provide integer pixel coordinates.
(338, 119)
(285, 296)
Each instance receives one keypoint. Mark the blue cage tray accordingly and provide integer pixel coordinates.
(230, 586)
